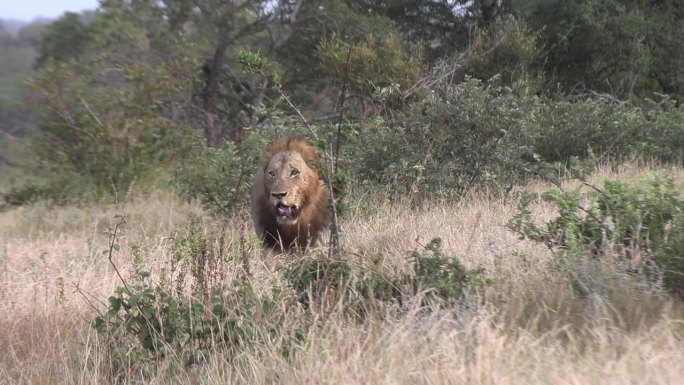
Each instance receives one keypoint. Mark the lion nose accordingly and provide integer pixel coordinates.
(279, 195)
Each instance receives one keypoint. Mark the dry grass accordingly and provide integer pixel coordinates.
(530, 328)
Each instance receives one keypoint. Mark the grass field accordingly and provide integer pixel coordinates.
(529, 327)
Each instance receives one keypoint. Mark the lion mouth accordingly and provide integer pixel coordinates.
(286, 213)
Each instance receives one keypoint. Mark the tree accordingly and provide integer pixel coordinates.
(65, 39)
(629, 48)
(443, 26)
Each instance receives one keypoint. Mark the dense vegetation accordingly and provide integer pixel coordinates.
(411, 102)
(469, 93)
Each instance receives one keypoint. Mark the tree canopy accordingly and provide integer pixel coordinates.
(116, 92)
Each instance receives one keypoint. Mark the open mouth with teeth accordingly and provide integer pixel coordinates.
(286, 213)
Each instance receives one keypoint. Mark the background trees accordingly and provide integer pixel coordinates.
(140, 86)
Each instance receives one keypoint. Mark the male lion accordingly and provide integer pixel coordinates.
(289, 200)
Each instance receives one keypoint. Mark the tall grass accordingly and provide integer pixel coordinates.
(530, 326)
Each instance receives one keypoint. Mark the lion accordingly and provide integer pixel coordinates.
(289, 199)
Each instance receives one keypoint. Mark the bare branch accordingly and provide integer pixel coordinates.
(112, 246)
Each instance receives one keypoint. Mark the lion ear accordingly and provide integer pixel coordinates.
(309, 153)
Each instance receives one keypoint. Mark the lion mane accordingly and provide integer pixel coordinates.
(289, 199)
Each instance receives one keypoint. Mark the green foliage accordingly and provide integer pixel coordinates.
(375, 61)
(21, 196)
(136, 88)
(322, 281)
(252, 61)
(448, 140)
(622, 47)
(444, 26)
(65, 39)
(575, 129)
(147, 322)
(640, 224)
(316, 280)
(443, 277)
(143, 325)
(508, 54)
(453, 139)
(107, 123)
(342, 22)
(220, 178)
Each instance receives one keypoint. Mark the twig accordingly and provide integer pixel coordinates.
(245, 255)
(213, 199)
(77, 289)
(595, 188)
(462, 60)
(343, 96)
(112, 242)
(303, 119)
(334, 231)
(92, 113)
(334, 226)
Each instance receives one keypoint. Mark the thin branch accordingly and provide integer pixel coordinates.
(334, 230)
(334, 227)
(213, 199)
(299, 114)
(112, 242)
(343, 95)
(77, 289)
(462, 60)
(92, 113)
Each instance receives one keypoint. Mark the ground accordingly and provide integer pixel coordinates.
(529, 328)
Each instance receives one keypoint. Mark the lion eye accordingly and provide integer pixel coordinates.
(294, 172)
(271, 173)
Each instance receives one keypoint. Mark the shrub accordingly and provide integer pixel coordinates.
(444, 277)
(449, 139)
(577, 129)
(220, 178)
(323, 282)
(147, 322)
(642, 225)
(452, 140)
(375, 61)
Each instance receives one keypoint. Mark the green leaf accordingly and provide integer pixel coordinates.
(115, 303)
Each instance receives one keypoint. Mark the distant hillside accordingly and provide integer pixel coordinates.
(14, 25)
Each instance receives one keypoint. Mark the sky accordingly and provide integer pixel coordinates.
(28, 10)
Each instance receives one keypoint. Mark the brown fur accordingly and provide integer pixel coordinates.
(305, 190)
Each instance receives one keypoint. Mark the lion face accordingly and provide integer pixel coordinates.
(289, 200)
(286, 180)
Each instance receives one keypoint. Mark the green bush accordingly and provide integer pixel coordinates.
(220, 178)
(324, 281)
(507, 53)
(318, 280)
(145, 324)
(577, 129)
(444, 277)
(449, 139)
(642, 225)
(97, 140)
(452, 140)
(192, 311)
